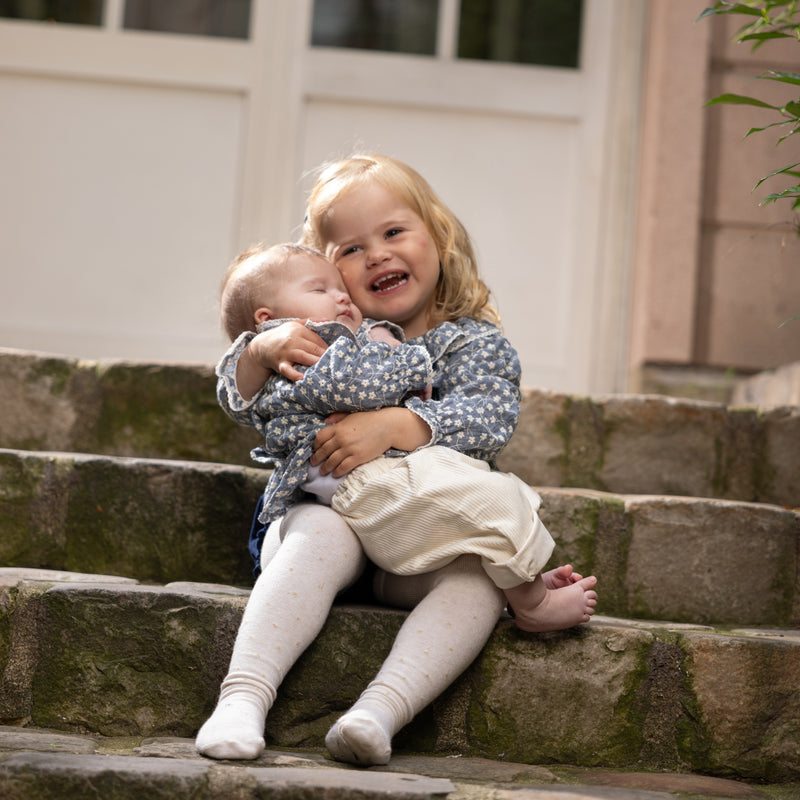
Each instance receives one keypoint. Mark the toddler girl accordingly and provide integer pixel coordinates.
(405, 258)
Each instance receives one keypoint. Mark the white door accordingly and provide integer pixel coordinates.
(523, 153)
(136, 163)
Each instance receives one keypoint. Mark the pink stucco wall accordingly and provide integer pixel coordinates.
(714, 273)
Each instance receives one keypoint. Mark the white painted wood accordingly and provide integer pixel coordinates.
(531, 160)
(136, 164)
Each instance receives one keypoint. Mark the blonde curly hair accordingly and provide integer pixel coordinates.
(460, 291)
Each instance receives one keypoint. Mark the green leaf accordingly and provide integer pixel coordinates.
(730, 8)
(760, 38)
(786, 194)
(796, 316)
(783, 77)
(771, 125)
(740, 100)
(792, 132)
(782, 171)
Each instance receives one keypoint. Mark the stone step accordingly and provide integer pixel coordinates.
(647, 444)
(630, 444)
(41, 763)
(109, 657)
(116, 407)
(656, 557)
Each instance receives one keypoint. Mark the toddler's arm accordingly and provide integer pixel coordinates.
(477, 382)
(354, 439)
(351, 377)
(476, 377)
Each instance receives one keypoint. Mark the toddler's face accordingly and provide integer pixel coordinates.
(386, 254)
(314, 289)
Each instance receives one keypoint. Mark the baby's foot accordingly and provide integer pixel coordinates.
(561, 576)
(235, 730)
(558, 608)
(358, 738)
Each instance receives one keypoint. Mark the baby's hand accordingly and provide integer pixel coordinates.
(381, 334)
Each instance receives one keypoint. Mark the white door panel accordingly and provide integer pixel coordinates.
(123, 199)
(135, 165)
(509, 180)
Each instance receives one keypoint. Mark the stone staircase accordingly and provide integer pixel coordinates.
(125, 503)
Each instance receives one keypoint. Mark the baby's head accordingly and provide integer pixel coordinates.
(283, 281)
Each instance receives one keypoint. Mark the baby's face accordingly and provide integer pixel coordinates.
(314, 289)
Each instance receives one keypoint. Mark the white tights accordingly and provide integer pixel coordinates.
(455, 610)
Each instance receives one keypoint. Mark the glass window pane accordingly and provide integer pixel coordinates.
(395, 26)
(229, 18)
(80, 12)
(545, 32)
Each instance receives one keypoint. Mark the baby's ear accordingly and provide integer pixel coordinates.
(262, 314)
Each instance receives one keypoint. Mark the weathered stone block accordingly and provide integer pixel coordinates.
(165, 411)
(711, 561)
(748, 699)
(640, 444)
(155, 520)
(131, 661)
(116, 408)
(566, 697)
(680, 558)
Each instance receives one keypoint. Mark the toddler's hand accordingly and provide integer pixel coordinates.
(280, 349)
(348, 441)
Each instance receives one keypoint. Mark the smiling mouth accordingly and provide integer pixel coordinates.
(388, 282)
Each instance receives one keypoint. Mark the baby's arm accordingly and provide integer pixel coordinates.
(253, 358)
(277, 350)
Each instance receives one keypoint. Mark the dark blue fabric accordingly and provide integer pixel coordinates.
(257, 532)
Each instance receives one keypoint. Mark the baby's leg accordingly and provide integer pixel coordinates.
(538, 608)
(287, 608)
(458, 609)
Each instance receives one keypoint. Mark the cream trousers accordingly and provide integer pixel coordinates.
(419, 512)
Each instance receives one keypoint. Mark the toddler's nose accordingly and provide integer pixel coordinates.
(377, 255)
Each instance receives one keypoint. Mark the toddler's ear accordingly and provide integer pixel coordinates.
(262, 315)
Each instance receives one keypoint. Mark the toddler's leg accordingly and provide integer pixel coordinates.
(287, 608)
(441, 637)
(538, 608)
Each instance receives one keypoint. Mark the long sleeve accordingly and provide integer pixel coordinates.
(476, 388)
(351, 377)
(228, 396)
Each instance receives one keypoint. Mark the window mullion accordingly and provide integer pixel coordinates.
(113, 15)
(447, 34)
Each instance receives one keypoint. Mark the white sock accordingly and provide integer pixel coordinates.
(236, 728)
(458, 610)
(359, 737)
(286, 610)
